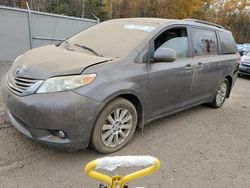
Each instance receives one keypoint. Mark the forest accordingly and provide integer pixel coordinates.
(232, 14)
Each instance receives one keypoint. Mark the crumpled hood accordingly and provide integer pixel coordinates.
(50, 61)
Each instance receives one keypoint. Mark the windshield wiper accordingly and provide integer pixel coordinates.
(89, 49)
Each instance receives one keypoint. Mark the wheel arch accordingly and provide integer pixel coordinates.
(138, 106)
(135, 100)
(230, 80)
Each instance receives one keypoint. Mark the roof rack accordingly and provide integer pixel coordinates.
(203, 22)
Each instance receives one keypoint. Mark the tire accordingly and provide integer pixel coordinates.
(114, 127)
(221, 95)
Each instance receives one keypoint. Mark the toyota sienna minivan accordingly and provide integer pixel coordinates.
(95, 88)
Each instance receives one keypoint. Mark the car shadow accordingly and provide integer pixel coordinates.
(179, 116)
(245, 77)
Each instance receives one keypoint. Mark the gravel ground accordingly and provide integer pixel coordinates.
(200, 147)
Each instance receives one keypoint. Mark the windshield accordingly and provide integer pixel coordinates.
(110, 39)
(246, 46)
(248, 54)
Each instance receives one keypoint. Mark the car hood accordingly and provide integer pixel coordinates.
(245, 58)
(50, 61)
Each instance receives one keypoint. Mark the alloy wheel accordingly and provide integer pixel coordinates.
(117, 127)
(221, 94)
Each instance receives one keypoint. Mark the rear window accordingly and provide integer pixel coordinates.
(228, 45)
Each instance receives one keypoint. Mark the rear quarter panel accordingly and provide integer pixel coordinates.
(230, 66)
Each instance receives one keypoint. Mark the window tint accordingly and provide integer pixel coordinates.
(204, 42)
(175, 39)
(228, 45)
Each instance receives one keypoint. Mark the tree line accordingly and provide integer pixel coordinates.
(232, 14)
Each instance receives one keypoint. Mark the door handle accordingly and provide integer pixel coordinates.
(199, 65)
(188, 67)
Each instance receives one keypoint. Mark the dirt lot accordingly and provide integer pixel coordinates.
(201, 147)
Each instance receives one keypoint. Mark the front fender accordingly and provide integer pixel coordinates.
(104, 93)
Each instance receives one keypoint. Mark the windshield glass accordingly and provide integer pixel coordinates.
(248, 54)
(110, 39)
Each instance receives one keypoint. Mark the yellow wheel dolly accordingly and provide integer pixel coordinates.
(150, 163)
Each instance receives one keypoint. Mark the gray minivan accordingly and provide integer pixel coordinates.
(96, 87)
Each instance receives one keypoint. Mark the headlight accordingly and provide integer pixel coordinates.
(65, 83)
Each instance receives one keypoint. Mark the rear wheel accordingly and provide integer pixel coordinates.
(221, 95)
(115, 126)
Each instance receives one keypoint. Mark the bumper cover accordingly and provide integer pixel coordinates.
(244, 69)
(37, 116)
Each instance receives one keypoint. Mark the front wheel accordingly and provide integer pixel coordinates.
(221, 95)
(115, 126)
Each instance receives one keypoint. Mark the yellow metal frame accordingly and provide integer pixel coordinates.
(119, 181)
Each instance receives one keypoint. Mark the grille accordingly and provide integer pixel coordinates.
(19, 85)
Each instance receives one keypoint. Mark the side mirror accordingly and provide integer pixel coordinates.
(165, 55)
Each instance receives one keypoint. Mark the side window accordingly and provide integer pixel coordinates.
(175, 39)
(228, 45)
(204, 42)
